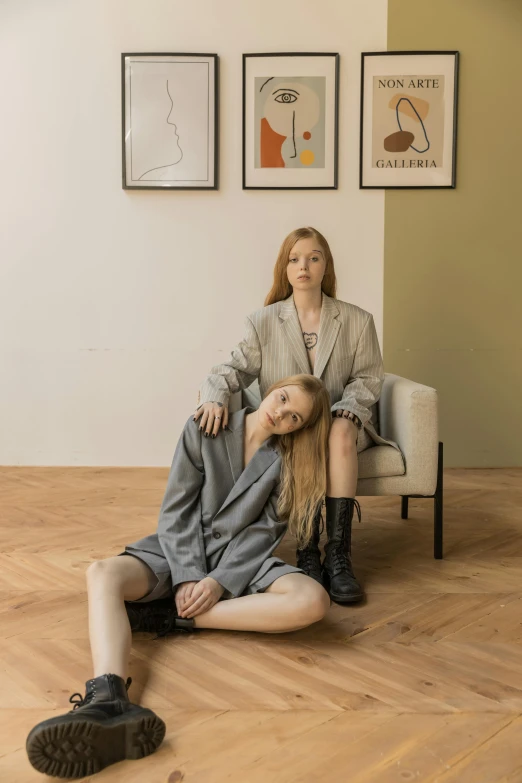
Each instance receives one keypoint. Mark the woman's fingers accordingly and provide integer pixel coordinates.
(203, 422)
(180, 599)
(198, 606)
(196, 599)
(217, 423)
(210, 424)
(190, 599)
(212, 418)
(202, 609)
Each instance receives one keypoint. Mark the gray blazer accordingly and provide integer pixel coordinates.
(348, 357)
(217, 519)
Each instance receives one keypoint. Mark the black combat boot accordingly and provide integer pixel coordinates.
(338, 576)
(103, 727)
(158, 616)
(309, 558)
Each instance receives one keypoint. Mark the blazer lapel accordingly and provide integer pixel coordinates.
(293, 334)
(234, 442)
(259, 463)
(328, 330)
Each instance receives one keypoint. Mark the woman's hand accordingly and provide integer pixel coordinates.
(202, 597)
(183, 594)
(214, 416)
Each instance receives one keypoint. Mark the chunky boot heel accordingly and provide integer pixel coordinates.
(104, 727)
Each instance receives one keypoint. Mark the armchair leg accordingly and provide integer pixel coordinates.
(438, 508)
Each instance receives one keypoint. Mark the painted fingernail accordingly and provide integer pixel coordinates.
(212, 436)
(200, 429)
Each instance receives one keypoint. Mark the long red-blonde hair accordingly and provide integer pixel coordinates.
(281, 288)
(304, 455)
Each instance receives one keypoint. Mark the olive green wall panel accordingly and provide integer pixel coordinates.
(453, 258)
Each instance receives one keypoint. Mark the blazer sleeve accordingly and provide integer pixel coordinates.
(249, 549)
(238, 372)
(179, 525)
(367, 376)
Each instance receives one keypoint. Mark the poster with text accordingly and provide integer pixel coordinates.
(408, 120)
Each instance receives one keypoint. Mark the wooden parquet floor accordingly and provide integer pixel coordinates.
(421, 683)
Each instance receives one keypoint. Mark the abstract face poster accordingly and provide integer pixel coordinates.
(169, 126)
(408, 119)
(289, 122)
(290, 117)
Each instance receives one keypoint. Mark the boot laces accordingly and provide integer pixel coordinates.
(82, 701)
(145, 616)
(308, 558)
(341, 554)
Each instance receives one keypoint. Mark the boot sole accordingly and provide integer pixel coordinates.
(340, 599)
(76, 748)
(354, 599)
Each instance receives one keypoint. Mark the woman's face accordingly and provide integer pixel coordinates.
(306, 265)
(285, 410)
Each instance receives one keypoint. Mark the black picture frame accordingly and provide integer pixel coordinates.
(213, 133)
(335, 177)
(386, 185)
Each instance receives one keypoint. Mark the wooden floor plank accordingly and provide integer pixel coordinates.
(422, 682)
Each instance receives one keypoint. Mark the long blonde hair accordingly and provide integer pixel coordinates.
(281, 288)
(304, 455)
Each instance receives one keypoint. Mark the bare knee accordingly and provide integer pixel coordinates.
(104, 570)
(311, 603)
(343, 439)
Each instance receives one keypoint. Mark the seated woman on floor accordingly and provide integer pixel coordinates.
(228, 504)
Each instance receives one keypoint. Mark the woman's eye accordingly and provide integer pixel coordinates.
(294, 417)
(293, 260)
(283, 397)
(315, 258)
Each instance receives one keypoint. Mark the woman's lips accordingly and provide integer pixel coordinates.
(303, 277)
(270, 420)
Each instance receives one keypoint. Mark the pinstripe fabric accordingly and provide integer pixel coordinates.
(218, 519)
(348, 357)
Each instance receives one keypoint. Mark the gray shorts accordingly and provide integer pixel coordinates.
(163, 586)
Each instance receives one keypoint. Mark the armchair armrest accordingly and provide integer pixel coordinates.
(408, 413)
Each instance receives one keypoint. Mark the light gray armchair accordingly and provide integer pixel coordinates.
(406, 413)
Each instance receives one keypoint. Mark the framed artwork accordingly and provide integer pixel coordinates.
(170, 121)
(290, 120)
(408, 119)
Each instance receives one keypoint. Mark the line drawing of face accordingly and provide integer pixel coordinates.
(291, 109)
(177, 152)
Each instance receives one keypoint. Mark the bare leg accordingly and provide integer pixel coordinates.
(110, 582)
(342, 463)
(292, 602)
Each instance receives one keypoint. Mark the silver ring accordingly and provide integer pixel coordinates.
(217, 417)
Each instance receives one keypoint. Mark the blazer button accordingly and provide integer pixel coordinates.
(216, 535)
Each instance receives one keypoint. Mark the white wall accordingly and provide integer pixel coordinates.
(114, 304)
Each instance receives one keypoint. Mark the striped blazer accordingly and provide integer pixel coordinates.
(219, 518)
(348, 358)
